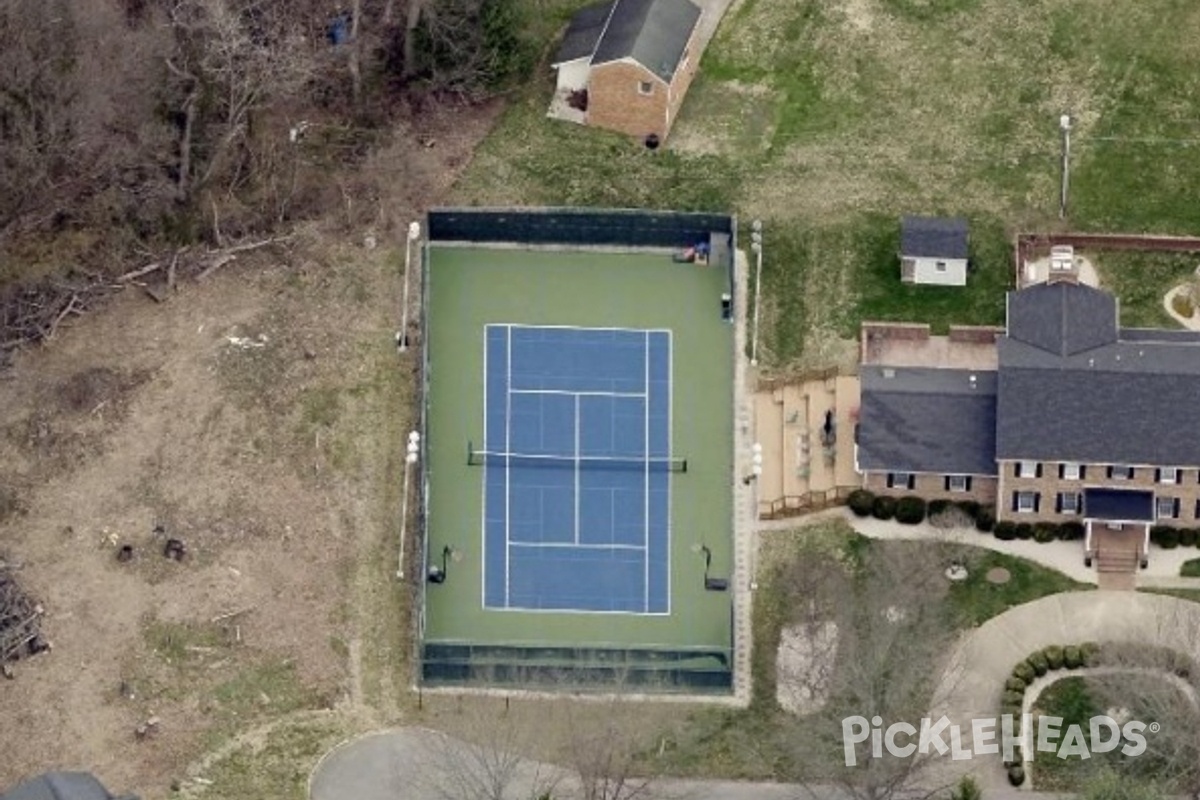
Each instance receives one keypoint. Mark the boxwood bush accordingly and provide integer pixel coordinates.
(883, 507)
(1071, 531)
(1039, 663)
(910, 510)
(1013, 698)
(1187, 537)
(861, 502)
(1024, 530)
(1015, 684)
(1006, 531)
(937, 507)
(970, 507)
(1024, 671)
(1016, 774)
(1072, 657)
(1045, 532)
(1054, 656)
(984, 521)
(1165, 536)
(1089, 652)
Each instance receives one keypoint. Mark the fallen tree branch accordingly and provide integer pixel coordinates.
(217, 263)
(137, 273)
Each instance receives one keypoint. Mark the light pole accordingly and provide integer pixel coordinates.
(410, 458)
(1064, 124)
(756, 247)
(414, 233)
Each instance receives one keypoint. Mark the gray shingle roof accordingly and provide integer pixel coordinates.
(927, 420)
(1062, 318)
(60, 786)
(1126, 403)
(653, 33)
(1119, 505)
(583, 33)
(933, 237)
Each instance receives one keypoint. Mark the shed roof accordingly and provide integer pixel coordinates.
(933, 237)
(924, 419)
(653, 33)
(60, 786)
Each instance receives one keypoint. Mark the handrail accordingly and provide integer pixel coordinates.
(798, 505)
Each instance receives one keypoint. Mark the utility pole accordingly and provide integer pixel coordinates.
(1064, 124)
(756, 247)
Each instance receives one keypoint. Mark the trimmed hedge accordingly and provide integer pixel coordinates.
(1090, 652)
(1045, 532)
(1054, 656)
(861, 502)
(984, 521)
(937, 507)
(1013, 698)
(1071, 531)
(1164, 536)
(1190, 568)
(1024, 530)
(1072, 657)
(1039, 662)
(1024, 672)
(910, 510)
(883, 507)
(970, 507)
(1015, 684)
(1006, 531)
(1188, 537)
(1016, 774)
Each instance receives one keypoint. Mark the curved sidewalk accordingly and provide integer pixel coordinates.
(973, 681)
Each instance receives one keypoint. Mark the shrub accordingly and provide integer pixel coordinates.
(1013, 710)
(861, 502)
(1015, 684)
(1024, 671)
(1089, 652)
(910, 510)
(1006, 531)
(970, 507)
(1072, 657)
(1012, 698)
(883, 507)
(1024, 530)
(1016, 774)
(1187, 537)
(937, 507)
(1039, 663)
(984, 521)
(1071, 531)
(1165, 536)
(1054, 656)
(1190, 568)
(1183, 305)
(1045, 532)
(967, 789)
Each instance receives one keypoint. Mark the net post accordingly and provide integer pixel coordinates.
(470, 453)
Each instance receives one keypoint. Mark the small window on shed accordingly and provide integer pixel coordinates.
(645, 87)
(941, 266)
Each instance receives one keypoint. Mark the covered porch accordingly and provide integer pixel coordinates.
(1117, 529)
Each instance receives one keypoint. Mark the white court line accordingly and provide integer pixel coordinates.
(571, 459)
(670, 452)
(646, 477)
(507, 445)
(577, 469)
(578, 394)
(518, 325)
(483, 493)
(569, 545)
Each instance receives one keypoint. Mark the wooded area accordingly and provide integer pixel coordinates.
(129, 128)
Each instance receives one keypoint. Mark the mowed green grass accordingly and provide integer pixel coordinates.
(471, 287)
(828, 119)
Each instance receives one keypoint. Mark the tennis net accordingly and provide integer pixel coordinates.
(479, 458)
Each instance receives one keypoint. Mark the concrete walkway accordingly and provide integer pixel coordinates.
(973, 682)
(1066, 557)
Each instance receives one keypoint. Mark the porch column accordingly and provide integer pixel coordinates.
(1087, 535)
(1144, 556)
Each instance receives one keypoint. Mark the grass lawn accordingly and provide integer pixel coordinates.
(1190, 568)
(747, 743)
(828, 120)
(1141, 280)
(1076, 700)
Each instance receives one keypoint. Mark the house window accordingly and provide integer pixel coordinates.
(1025, 502)
(1167, 475)
(1120, 472)
(958, 483)
(1167, 507)
(1068, 502)
(1029, 469)
(901, 480)
(645, 87)
(940, 266)
(1197, 514)
(1070, 471)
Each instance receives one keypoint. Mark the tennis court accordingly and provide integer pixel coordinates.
(578, 453)
(578, 467)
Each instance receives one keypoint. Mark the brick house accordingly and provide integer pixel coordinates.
(625, 65)
(1080, 420)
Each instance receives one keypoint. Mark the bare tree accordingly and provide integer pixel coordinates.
(602, 751)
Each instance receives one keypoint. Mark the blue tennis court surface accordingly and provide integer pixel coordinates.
(576, 490)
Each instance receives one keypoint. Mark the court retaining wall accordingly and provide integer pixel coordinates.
(576, 226)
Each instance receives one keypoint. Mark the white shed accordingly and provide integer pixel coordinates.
(933, 250)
